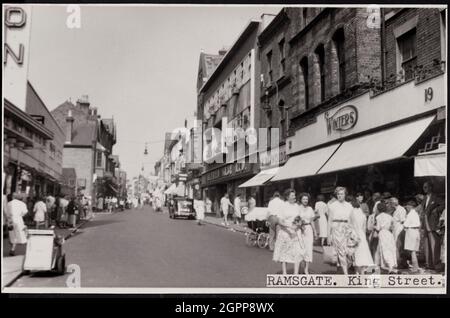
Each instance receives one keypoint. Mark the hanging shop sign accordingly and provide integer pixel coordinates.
(343, 119)
(273, 158)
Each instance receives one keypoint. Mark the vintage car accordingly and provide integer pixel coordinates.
(181, 207)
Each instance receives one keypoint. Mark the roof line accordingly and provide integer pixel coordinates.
(45, 106)
(226, 56)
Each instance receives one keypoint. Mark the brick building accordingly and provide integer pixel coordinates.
(88, 146)
(355, 91)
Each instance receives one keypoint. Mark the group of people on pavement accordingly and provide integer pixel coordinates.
(225, 205)
(40, 213)
(366, 233)
(111, 204)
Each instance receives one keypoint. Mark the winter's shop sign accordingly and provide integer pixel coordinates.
(343, 119)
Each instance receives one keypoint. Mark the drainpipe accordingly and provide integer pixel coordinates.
(383, 47)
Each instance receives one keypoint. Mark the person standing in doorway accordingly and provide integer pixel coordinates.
(224, 206)
(40, 211)
(321, 208)
(432, 209)
(16, 210)
(237, 209)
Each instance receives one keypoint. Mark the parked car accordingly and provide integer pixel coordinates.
(181, 207)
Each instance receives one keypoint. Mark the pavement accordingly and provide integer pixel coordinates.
(143, 248)
(12, 266)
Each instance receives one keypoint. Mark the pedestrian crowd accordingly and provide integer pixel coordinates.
(21, 212)
(361, 232)
(112, 204)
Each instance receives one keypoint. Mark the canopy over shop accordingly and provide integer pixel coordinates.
(369, 152)
(431, 163)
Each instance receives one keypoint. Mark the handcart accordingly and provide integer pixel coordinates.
(44, 252)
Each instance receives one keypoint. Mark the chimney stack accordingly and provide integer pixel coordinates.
(223, 51)
(69, 127)
(83, 104)
(266, 18)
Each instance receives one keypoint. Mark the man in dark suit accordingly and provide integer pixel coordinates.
(432, 209)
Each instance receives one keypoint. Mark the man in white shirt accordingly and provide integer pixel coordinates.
(274, 208)
(40, 211)
(224, 205)
(399, 216)
(237, 209)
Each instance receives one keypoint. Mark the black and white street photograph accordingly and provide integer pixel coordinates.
(200, 148)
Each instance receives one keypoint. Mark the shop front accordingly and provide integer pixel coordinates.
(226, 179)
(368, 143)
(21, 166)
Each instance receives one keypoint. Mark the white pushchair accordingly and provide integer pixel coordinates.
(259, 228)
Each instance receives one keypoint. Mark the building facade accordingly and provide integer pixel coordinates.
(366, 98)
(33, 148)
(228, 99)
(88, 147)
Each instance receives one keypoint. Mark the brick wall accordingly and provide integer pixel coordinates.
(427, 36)
(82, 159)
(362, 49)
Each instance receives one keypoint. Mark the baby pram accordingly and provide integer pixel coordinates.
(258, 233)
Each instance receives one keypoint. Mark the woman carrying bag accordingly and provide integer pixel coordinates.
(289, 245)
(341, 236)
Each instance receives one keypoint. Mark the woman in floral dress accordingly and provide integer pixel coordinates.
(340, 232)
(289, 246)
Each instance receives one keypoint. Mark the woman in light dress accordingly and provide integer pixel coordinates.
(308, 231)
(321, 209)
(412, 234)
(387, 249)
(339, 229)
(362, 256)
(16, 209)
(200, 211)
(289, 246)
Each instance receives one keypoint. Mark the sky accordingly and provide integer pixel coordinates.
(137, 64)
